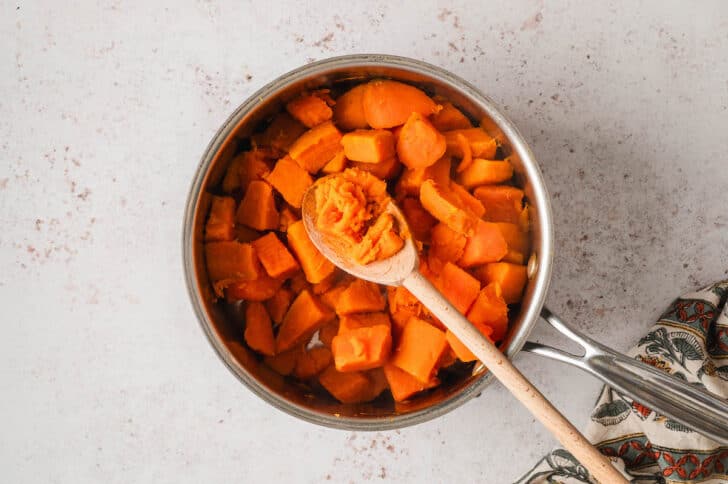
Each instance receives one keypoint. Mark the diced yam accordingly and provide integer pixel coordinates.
(419, 143)
(309, 109)
(368, 145)
(450, 118)
(350, 387)
(221, 222)
(278, 304)
(482, 145)
(485, 245)
(305, 316)
(362, 320)
(389, 103)
(287, 217)
(410, 181)
(419, 220)
(403, 385)
(467, 201)
(274, 256)
(260, 289)
(511, 278)
(349, 109)
(327, 333)
(284, 363)
(445, 206)
(362, 348)
(259, 329)
(486, 172)
(312, 362)
(231, 260)
(517, 239)
(419, 349)
(258, 207)
(332, 295)
(290, 180)
(385, 170)
(458, 287)
(337, 164)
(280, 133)
(360, 297)
(316, 147)
(489, 309)
(502, 203)
(315, 266)
(447, 245)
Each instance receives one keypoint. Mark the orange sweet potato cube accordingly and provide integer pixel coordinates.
(259, 329)
(337, 164)
(360, 297)
(349, 109)
(489, 309)
(221, 222)
(328, 332)
(485, 245)
(280, 133)
(312, 362)
(368, 145)
(447, 208)
(309, 109)
(450, 118)
(403, 385)
(486, 172)
(290, 180)
(350, 387)
(503, 203)
(260, 289)
(517, 239)
(274, 256)
(231, 260)
(511, 278)
(258, 207)
(316, 147)
(362, 348)
(305, 316)
(284, 363)
(278, 304)
(362, 320)
(458, 287)
(482, 145)
(419, 349)
(315, 266)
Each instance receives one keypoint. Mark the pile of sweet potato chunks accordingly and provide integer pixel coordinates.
(307, 318)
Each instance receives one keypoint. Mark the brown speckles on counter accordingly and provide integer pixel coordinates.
(596, 98)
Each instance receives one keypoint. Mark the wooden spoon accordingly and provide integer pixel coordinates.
(402, 270)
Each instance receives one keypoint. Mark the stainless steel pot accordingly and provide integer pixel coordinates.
(689, 405)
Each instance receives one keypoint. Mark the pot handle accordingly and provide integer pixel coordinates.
(694, 407)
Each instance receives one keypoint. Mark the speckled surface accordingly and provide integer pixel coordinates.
(105, 109)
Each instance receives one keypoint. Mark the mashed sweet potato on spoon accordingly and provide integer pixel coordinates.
(351, 208)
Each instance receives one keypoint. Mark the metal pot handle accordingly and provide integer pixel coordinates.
(698, 409)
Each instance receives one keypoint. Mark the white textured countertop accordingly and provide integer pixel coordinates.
(105, 110)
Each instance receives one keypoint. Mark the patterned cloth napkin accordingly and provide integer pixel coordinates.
(690, 341)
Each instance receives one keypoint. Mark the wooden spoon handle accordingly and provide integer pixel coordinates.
(502, 368)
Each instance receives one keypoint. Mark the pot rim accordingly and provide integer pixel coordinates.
(541, 203)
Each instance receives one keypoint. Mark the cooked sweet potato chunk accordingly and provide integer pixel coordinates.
(389, 103)
(305, 316)
(221, 222)
(258, 208)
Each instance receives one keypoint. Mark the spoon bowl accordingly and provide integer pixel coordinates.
(391, 271)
